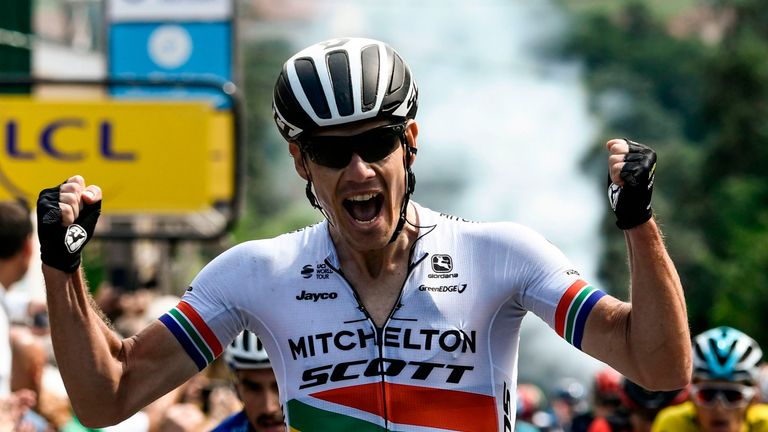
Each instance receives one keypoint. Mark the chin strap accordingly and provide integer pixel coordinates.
(310, 195)
(410, 185)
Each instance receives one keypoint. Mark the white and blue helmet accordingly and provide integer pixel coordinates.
(724, 353)
(246, 352)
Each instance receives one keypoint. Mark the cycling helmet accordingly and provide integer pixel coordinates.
(571, 391)
(342, 81)
(607, 385)
(246, 352)
(724, 353)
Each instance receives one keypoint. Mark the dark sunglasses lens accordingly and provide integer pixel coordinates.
(733, 395)
(336, 152)
(377, 146)
(330, 155)
(707, 395)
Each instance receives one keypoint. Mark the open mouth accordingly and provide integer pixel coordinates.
(364, 208)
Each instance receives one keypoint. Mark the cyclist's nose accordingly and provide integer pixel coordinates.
(273, 402)
(359, 169)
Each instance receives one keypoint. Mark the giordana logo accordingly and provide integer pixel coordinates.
(75, 238)
(321, 271)
(444, 288)
(315, 296)
(614, 191)
(442, 265)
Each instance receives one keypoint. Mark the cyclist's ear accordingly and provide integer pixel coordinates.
(298, 159)
(412, 132)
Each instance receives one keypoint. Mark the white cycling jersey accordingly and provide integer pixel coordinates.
(446, 359)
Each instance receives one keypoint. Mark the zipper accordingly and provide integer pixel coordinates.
(380, 330)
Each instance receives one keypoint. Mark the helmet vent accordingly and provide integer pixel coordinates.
(338, 67)
(699, 352)
(310, 82)
(721, 355)
(246, 341)
(746, 354)
(369, 58)
(397, 75)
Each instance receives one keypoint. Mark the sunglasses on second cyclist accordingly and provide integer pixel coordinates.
(731, 395)
(336, 151)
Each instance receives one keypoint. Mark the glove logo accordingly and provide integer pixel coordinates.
(75, 238)
(613, 195)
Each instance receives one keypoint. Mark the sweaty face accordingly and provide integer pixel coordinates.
(363, 191)
(258, 390)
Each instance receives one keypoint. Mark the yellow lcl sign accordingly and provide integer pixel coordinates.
(159, 157)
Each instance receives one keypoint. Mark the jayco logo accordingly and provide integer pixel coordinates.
(316, 296)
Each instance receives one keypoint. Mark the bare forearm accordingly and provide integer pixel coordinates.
(87, 352)
(658, 332)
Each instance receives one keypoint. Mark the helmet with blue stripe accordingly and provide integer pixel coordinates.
(724, 353)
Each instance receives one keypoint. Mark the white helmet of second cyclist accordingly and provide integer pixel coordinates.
(724, 353)
(246, 352)
(342, 81)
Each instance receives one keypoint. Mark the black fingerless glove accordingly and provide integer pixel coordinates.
(60, 246)
(632, 203)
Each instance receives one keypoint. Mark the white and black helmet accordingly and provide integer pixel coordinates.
(246, 352)
(341, 81)
(724, 353)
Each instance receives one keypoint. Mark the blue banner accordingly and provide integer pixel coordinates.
(171, 51)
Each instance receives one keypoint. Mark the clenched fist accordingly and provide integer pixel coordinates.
(66, 218)
(631, 171)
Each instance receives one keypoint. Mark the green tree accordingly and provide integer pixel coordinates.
(266, 212)
(703, 108)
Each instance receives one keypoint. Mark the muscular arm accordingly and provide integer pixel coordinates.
(108, 378)
(647, 340)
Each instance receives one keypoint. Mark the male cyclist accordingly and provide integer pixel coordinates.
(256, 386)
(724, 388)
(387, 315)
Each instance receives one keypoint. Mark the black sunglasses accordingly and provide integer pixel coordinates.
(731, 395)
(336, 151)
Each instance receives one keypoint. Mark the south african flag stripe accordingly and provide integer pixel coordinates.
(573, 310)
(366, 407)
(193, 333)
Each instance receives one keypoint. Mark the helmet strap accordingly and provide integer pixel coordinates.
(308, 191)
(410, 185)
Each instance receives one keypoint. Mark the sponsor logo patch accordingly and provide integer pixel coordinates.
(315, 296)
(321, 271)
(442, 263)
(75, 238)
(459, 288)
